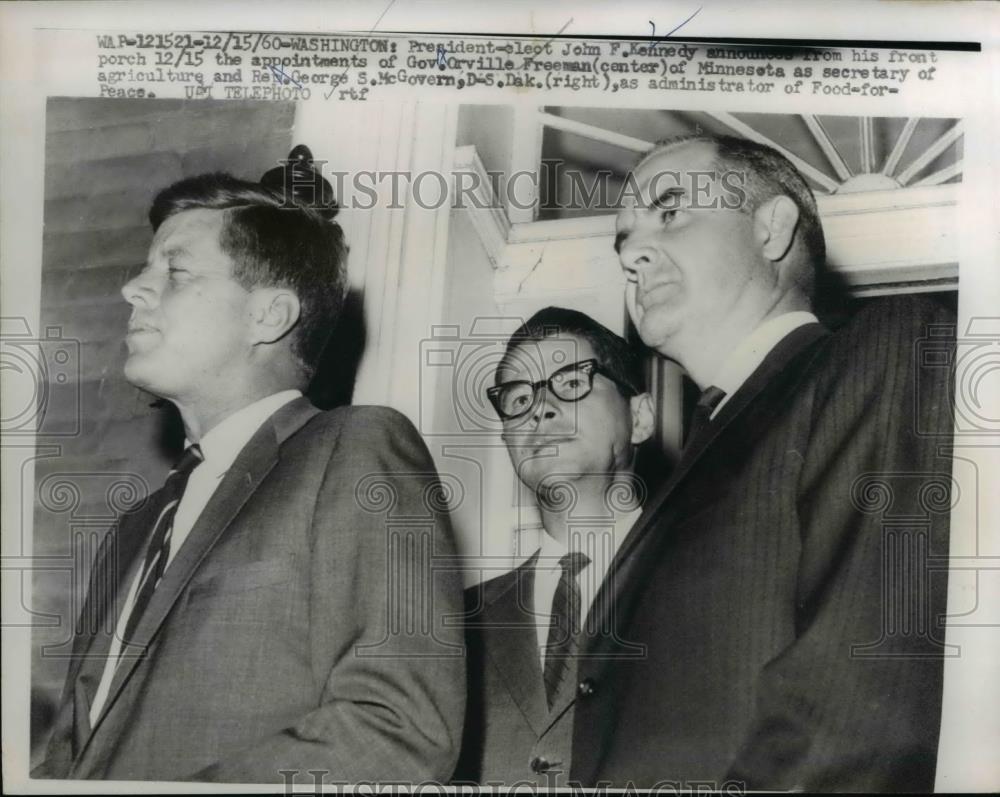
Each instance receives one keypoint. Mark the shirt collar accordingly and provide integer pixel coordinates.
(224, 441)
(751, 351)
(551, 550)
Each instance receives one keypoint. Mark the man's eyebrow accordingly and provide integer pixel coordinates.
(666, 200)
(167, 254)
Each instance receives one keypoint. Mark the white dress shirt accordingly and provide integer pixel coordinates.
(219, 447)
(600, 544)
(751, 351)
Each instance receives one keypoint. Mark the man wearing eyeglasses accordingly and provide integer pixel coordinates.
(571, 398)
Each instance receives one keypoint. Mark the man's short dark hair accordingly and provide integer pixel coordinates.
(613, 352)
(273, 241)
(768, 174)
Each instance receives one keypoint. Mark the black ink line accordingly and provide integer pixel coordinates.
(685, 22)
(282, 76)
(386, 11)
(876, 44)
(531, 58)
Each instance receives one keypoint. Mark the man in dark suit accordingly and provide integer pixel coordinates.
(250, 626)
(570, 395)
(787, 584)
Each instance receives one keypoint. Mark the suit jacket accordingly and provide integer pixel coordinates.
(785, 589)
(511, 736)
(300, 626)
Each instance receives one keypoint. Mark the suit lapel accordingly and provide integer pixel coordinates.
(112, 571)
(248, 470)
(621, 575)
(786, 350)
(564, 697)
(511, 643)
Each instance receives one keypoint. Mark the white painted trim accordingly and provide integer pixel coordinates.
(882, 242)
(562, 229)
(398, 255)
(595, 133)
(483, 207)
(829, 149)
(895, 199)
(526, 154)
(928, 155)
(889, 167)
(876, 239)
(807, 169)
(866, 231)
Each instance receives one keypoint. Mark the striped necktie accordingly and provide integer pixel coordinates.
(707, 402)
(564, 625)
(159, 542)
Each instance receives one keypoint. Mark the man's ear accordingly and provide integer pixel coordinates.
(643, 418)
(774, 225)
(274, 313)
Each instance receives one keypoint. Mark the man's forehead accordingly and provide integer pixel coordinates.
(189, 226)
(669, 169)
(538, 358)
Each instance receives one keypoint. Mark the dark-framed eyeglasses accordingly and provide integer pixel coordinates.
(570, 383)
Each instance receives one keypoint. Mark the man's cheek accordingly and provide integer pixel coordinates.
(515, 456)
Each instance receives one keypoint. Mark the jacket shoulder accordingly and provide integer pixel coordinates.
(896, 321)
(372, 427)
(362, 418)
(884, 338)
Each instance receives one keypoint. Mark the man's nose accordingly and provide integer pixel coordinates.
(140, 289)
(545, 406)
(637, 259)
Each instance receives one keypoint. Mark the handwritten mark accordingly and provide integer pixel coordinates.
(281, 76)
(531, 58)
(384, 12)
(442, 56)
(654, 41)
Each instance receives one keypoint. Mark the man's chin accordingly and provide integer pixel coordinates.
(656, 332)
(538, 470)
(141, 375)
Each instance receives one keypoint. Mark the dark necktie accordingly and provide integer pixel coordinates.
(159, 542)
(707, 402)
(564, 625)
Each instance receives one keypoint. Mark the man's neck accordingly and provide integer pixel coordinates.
(593, 506)
(704, 357)
(201, 417)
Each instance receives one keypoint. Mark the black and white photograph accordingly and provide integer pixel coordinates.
(575, 408)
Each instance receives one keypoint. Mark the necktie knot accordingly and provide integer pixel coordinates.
(707, 402)
(181, 471)
(572, 563)
(710, 397)
(190, 459)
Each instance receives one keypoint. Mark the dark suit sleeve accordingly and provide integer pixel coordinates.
(854, 703)
(392, 672)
